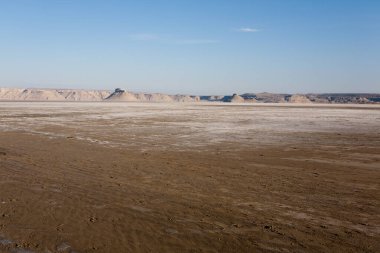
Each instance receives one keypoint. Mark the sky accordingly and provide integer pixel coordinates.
(192, 46)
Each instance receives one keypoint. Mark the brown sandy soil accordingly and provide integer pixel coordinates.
(319, 193)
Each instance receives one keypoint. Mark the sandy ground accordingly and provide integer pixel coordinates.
(133, 177)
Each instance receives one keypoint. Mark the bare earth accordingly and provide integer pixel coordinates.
(134, 177)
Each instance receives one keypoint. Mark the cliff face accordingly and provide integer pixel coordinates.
(333, 98)
(33, 94)
(345, 98)
(121, 95)
(237, 99)
(52, 95)
(15, 94)
(297, 98)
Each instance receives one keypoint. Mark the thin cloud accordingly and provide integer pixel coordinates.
(248, 30)
(144, 36)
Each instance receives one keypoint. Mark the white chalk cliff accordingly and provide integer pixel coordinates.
(119, 95)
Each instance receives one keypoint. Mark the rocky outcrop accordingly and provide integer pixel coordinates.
(250, 100)
(84, 95)
(52, 94)
(237, 99)
(266, 97)
(119, 95)
(158, 97)
(300, 99)
(212, 98)
(186, 98)
(345, 98)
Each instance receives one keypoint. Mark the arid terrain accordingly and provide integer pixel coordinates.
(189, 177)
(120, 95)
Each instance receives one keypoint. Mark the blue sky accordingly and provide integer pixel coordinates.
(192, 46)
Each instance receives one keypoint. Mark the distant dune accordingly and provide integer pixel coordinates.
(119, 95)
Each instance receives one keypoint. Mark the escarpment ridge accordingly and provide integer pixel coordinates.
(121, 95)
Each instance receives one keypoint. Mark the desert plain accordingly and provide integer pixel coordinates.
(189, 177)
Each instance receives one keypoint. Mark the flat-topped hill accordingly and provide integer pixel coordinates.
(119, 95)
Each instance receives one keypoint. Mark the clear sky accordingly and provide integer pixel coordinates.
(192, 46)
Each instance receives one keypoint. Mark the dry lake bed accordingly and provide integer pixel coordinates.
(137, 177)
